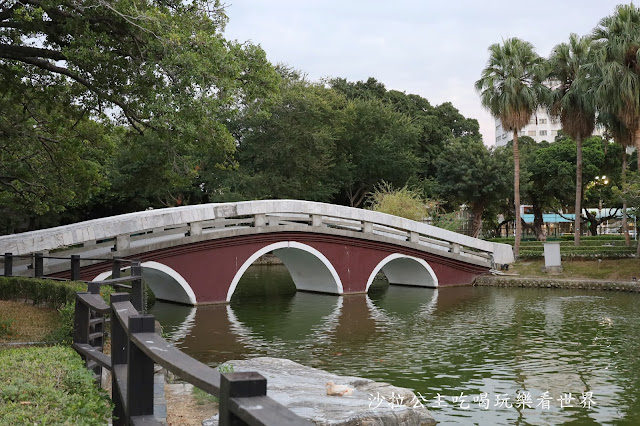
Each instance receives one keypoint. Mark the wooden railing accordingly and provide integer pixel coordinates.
(136, 347)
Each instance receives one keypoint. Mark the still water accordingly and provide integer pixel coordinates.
(458, 342)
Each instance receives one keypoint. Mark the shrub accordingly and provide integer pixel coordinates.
(62, 391)
(6, 326)
(399, 202)
(40, 291)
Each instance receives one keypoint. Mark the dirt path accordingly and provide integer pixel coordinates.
(185, 408)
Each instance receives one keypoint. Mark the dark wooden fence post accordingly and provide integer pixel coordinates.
(75, 267)
(137, 297)
(81, 321)
(8, 264)
(38, 267)
(140, 369)
(119, 352)
(234, 385)
(115, 267)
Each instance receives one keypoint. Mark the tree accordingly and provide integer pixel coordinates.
(629, 192)
(616, 68)
(293, 152)
(572, 101)
(52, 156)
(379, 144)
(511, 89)
(161, 69)
(470, 173)
(436, 124)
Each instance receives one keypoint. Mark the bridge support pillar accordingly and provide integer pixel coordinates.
(123, 242)
(195, 228)
(259, 220)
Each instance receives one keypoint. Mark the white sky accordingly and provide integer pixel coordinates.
(436, 49)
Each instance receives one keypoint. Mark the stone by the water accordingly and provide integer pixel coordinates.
(303, 390)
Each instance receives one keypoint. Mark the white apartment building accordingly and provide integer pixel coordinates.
(541, 127)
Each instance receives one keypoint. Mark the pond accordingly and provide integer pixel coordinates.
(475, 355)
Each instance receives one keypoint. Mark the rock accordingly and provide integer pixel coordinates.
(303, 390)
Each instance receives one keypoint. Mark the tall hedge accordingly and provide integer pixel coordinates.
(40, 291)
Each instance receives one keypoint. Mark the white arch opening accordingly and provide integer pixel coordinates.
(165, 282)
(405, 270)
(309, 269)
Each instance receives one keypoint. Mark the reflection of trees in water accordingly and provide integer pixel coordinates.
(447, 340)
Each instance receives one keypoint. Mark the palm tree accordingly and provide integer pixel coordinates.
(617, 68)
(511, 88)
(617, 130)
(571, 101)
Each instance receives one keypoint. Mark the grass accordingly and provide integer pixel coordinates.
(25, 322)
(203, 398)
(49, 385)
(605, 269)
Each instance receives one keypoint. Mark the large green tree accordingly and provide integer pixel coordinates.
(573, 102)
(52, 156)
(436, 124)
(511, 88)
(379, 145)
(470, 173)
(616, 68)
(161, 69)
(291, 153)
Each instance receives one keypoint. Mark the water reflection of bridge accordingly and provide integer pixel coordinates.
(310, 320)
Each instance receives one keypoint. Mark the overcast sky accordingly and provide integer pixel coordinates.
(436, 49)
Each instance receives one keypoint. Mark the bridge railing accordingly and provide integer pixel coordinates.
(136, 347)
(129, 234)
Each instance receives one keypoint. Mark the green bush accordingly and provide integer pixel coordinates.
(6, 326)
(62, 391)
(63, 334)
(402, 202)
(40, 291)
(593, 237)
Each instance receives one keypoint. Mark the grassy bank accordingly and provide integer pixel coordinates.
(22, 322)
(62, 391)
(605, 269)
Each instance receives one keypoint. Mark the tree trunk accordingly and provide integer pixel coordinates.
(593, 222)
(625, 222)
(516, 193)
(578, 209)
(538, 222)
(477, 219)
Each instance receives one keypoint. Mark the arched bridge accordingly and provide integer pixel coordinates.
(197, 254)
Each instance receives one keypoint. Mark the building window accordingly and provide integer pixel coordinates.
(498, 139)
(543, 133)
(554, 121)
(532, 132)
(554, 133)
(542, 121)
(532, 120)
(504, 136)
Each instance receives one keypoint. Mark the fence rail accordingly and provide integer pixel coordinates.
(136, 347)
